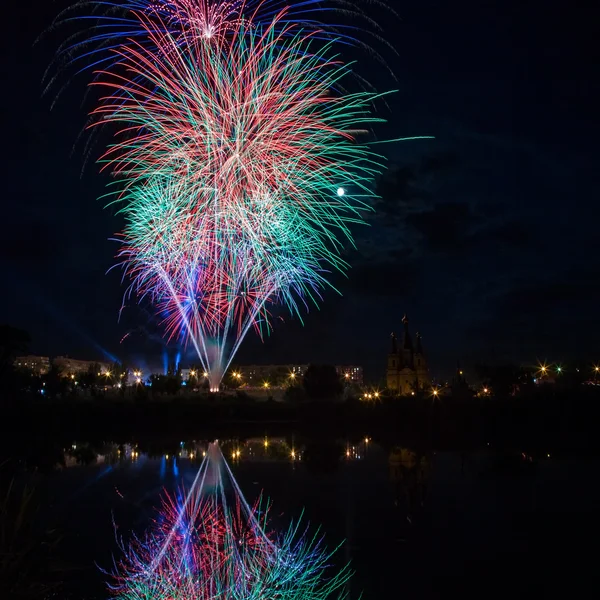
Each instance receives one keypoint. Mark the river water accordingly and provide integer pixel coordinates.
(414, 523)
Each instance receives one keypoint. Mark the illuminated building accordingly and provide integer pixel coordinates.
(256, 375)
(39, 365)
(406, 364)
(73, 366)
(350, 374)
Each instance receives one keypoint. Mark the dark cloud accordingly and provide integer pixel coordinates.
(445, 227)
(439, 163)
(396, 189)
(565, 292)
(506, 235)
(543, 316)
(399, 275)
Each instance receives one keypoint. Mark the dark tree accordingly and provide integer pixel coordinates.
(168, 384)
(90, 378)
(56, 384)
(295, 393)
(321, 382)
(279, 376)
(13, 342)
(503, 380)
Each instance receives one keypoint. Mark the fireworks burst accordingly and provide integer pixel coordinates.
(234, 137)
(208, 545)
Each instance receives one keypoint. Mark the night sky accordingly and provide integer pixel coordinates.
(487, 236)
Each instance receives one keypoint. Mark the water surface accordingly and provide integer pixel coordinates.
(416, 523)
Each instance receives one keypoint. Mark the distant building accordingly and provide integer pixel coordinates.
(256, 375)
(73, 366)
(39, 365)
(350, 374)
(406, 364)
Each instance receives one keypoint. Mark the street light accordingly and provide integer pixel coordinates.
(193, 373)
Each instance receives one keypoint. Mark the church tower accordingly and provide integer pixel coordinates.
(421, 365)
(406, 364)
(393, 365)
(407, 346)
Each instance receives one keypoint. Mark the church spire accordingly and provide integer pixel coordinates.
(394, 343)
(407, 341)
(419, 349)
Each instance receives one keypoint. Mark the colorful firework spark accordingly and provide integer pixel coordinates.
(209, 545)
(240, 161)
